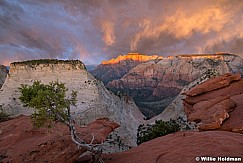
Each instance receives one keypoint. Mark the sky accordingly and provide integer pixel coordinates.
(96, 30)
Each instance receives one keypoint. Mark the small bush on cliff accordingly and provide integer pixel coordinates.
(48, 61)
(50, 104)
(160, 128)
(34, 63)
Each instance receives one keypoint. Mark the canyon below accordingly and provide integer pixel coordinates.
(202, 92)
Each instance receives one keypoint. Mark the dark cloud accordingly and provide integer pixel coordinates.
(93, 30)
(234, 45)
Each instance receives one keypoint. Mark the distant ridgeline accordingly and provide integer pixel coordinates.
(144, 57)
(132, 56)
(219, 54)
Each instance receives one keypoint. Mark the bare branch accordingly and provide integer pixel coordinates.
(92, 139)
(85, 153)
(94, 149)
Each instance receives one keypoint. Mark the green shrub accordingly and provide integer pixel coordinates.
(49, 102)
(160, 128)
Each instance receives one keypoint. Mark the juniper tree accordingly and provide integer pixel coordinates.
(50, 104)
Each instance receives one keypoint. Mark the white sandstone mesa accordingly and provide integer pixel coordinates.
(93, 99)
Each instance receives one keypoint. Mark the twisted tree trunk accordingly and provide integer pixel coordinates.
(94, 149)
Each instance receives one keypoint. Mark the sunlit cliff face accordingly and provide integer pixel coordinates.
(132, 56)
(144, 57)
(94, 30)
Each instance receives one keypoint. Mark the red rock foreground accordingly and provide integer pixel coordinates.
(183, 147)
(21, 142)
(217, 103)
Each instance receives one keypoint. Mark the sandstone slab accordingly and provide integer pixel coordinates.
(183, 147)
(21, 142)
(213, 84)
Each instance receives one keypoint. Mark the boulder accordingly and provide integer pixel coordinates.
(212, 103)
(235, 122)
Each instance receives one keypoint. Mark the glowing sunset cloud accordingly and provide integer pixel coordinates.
(93, 30)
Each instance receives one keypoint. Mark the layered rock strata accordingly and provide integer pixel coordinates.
(109, 72)
(162, 79)
(116, 68)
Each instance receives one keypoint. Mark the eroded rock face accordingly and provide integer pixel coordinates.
(183, 147)
(162, 79)
(93, 99)
(109, 72)
(21, 142)
(212, 103)
(3, 74)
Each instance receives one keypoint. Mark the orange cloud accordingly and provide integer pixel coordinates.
(108, 32)
(182, 24)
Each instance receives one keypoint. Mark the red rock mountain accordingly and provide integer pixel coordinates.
(109, 72)
(116, 68)
(155, 83)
